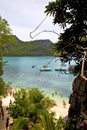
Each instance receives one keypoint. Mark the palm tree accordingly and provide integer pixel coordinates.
(28, 106)
(48, 122)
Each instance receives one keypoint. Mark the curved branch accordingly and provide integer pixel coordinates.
(80, 47)
(37, 27)
(77, 46)
(83, 64)
(43, 32)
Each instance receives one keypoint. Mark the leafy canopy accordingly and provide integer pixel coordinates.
(71, 15)
(29, 105)
(5, 37)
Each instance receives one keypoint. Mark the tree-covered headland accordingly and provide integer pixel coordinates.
(29, 48)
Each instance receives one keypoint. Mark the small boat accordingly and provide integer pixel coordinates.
(45, 68)
(60, 69)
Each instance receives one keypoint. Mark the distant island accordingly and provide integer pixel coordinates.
(29, 48)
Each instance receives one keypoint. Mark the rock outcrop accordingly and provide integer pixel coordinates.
(77, 114)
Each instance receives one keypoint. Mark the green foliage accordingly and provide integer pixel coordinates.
(72, 125)
(4, 31)
(20, 123)
(1, 68)
(31, 109)
(60, 124)
(48, 122)
(5, 37)
(5, 34)
(72, 17)
(31, 48)
(30, 104)
(2, 87)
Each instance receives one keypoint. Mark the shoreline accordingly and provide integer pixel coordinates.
(59, 108)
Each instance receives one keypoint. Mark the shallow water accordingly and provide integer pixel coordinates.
(25, 72)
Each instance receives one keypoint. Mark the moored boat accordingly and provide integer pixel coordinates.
(60, 69)
(45, 68)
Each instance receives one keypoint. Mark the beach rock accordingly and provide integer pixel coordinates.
(77, 114)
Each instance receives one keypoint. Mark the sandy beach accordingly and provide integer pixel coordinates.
(6, 101)
(5, 104)
(59, 108)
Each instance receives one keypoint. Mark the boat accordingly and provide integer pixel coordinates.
(60, 69)
(45, 68)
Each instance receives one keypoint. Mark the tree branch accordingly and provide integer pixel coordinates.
(83, 64)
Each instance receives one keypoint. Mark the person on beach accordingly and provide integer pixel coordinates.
(64, 104)
(53, 94)
(0, 108)
(2, 112)
(7, 122)
(10, 103)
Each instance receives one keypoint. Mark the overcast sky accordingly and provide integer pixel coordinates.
(24, 16)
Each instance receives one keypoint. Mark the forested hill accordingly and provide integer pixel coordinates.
(30, 48)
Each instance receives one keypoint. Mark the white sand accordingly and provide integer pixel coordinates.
(6, 101)
(58, 109)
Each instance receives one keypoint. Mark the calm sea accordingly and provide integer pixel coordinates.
(25, 72)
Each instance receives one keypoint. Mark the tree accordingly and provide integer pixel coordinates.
(28, 106)
(2, 87)
(48, 122)
(5, 37)
(72, 17)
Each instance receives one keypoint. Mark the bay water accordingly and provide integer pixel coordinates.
(25, 72)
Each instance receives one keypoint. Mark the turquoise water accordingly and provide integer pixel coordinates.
(20, 72)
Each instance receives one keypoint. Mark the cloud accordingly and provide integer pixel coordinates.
(24, 16)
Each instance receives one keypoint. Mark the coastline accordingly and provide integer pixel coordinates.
(59, 108)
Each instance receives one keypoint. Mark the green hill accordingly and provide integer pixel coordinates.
(30, 48)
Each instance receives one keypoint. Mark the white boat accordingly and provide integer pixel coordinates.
(60, 69)
(45, 68)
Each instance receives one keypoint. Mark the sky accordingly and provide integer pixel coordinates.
(24, 16)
